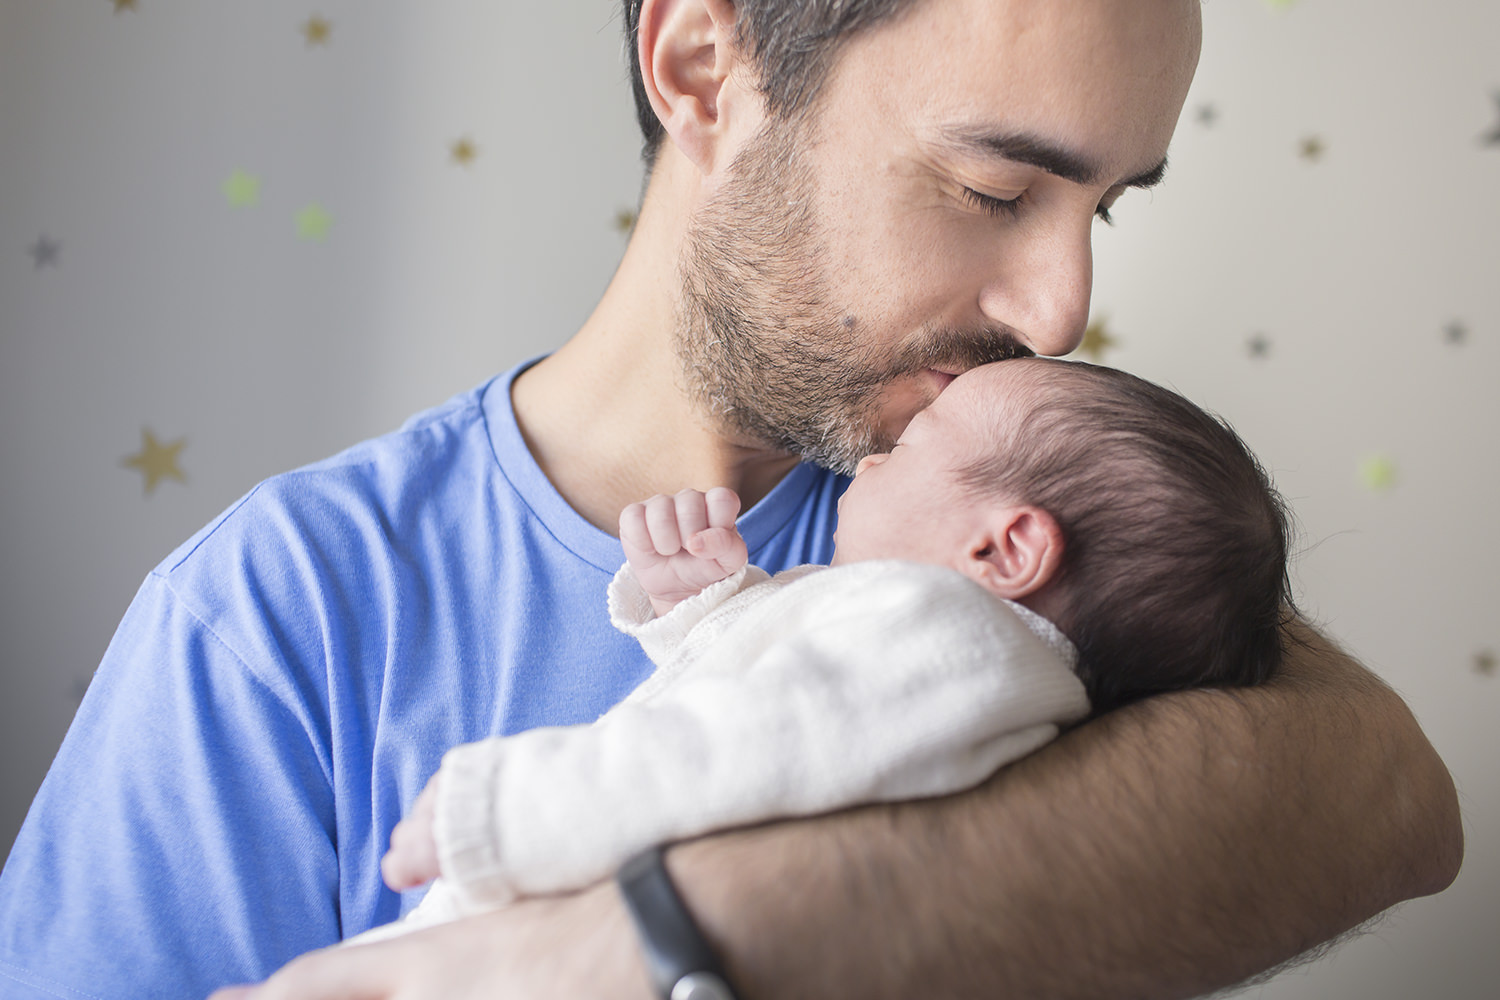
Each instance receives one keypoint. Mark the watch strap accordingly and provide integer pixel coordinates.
(679, 961)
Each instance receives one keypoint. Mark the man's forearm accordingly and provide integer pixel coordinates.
(1164, 850)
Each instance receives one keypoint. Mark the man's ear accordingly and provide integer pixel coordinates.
(1017, 552)
(687, 53)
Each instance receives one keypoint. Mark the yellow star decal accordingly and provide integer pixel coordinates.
(241, 189)
(313, 223)
(316, 31)
(1096, 340)
(463, 151)
(156, 461)
(624, 220)
(1378, 472)
(124, 5)
(1485, 662)
(1312, 149)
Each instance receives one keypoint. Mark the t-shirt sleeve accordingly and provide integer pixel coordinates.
(182, 838)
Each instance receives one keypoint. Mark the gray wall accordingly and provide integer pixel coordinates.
(169, 309)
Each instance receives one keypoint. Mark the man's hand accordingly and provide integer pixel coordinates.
(678, 545)
(413, 858)
(565, 946)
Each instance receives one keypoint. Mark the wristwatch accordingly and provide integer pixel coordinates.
(681, 964)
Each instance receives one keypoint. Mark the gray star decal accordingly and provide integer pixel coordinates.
(45, 252)
(1492, 137)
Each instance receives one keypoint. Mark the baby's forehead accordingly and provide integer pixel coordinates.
(1005, 391)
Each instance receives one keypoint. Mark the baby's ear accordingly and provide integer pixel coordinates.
(1017, 552)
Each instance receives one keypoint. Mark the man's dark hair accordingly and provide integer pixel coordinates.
(792, 44)
(1175, 544)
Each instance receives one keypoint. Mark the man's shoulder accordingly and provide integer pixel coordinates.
(368, 493)
(344, 541)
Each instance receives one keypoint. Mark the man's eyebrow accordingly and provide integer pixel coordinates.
(1036, 152)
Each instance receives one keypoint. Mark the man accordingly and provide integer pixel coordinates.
(831, 231)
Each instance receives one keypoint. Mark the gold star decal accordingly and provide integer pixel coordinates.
(463, 151)
(1378, 472)
(1484, 662)
(624, 220)
(124, 5)
(1096, 340)
(313, 223)
(156, 461)
(316, 31)
(1312, 149)
(241, 189)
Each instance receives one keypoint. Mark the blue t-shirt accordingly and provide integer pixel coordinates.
(285, 683)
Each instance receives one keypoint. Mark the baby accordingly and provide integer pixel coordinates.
(1046, 540)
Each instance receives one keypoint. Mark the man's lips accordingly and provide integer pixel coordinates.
(941, 378)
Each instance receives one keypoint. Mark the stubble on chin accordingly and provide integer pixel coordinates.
(766, 356)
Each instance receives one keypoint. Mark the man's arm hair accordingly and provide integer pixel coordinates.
(1175, 846)
(1167, 849)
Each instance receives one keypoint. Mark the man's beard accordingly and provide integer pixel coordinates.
(765, 352)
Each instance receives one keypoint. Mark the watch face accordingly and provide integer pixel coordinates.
(701, 986)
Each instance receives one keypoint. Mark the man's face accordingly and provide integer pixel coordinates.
(932, 215)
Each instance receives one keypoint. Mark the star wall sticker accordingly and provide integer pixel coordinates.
(1378, 473)
(121, 5)
(1096, 340)
(1312, 148)
(1207, 115)
(156, 461)
(1456, 333)
(1281, 4)
(1259, 346)
(45, 253)
(242, 190)
(463, 151)
(1492, 137)
(313, 223)
(624, 221)
(316, 31)
(1485, 662)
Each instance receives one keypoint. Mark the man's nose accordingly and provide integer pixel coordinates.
(1040, 288)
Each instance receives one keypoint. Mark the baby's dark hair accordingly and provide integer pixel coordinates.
(1175, 544)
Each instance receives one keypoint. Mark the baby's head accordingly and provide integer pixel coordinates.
(1139, 524)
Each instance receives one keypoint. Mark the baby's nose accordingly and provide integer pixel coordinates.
(870, 460)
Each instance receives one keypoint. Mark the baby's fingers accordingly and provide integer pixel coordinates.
(634, 534)
(661, 522)
(723, 506)
(405, 865)
(722, 546)
(692, 513)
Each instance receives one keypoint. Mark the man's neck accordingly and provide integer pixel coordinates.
(606, 416)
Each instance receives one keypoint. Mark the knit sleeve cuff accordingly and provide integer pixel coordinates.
(466, 826)
(630, 610)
